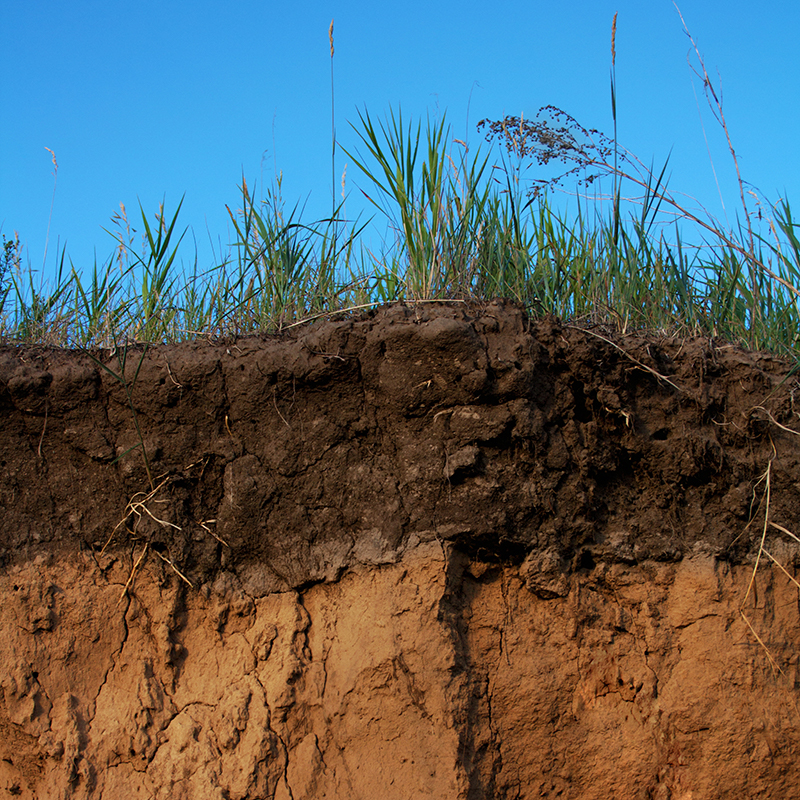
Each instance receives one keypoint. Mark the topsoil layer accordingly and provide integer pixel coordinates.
(343, 441)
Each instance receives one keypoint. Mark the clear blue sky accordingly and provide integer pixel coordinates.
(150, 100)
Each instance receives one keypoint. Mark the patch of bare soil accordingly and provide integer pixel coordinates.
(433, 551)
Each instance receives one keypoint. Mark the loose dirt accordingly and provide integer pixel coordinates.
(438, 550)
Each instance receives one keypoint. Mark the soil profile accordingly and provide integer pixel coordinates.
(435, 550)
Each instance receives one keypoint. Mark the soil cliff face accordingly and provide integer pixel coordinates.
(435, 551)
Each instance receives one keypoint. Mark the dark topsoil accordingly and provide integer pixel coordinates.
(349, 440)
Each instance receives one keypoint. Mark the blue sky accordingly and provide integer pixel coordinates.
(153, 100)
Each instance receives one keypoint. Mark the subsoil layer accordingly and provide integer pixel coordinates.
(436, 550)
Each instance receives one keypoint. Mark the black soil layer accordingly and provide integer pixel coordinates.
(510, 438)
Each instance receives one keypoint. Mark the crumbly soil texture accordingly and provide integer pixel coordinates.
(434, 550)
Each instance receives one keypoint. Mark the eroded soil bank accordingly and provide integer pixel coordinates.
(435, 551)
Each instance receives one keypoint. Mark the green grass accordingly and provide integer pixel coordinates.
(462, 228)
(462, 223)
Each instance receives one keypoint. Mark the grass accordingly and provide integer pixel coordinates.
(462, 223)
(456, 234)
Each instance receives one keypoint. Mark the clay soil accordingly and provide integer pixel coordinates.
(434, 551)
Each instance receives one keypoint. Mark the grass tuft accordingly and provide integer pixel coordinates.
(462, 222)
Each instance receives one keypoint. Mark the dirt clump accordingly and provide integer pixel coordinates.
(436, 550)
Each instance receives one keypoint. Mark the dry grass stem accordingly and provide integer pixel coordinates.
(766, 478)
(782, 568)
(775, 422)
(175, 569)
(44, 428)
(635, 360)
(784, 530)
(772, 661)
(204, 525)
(133, 572)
